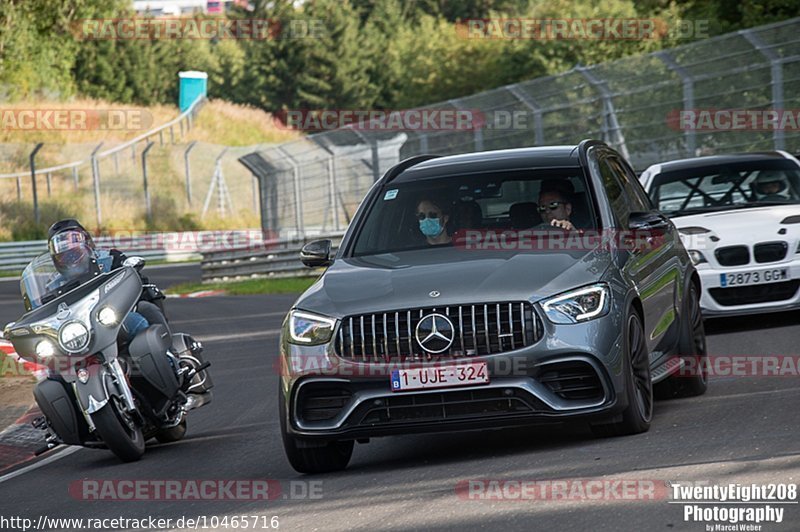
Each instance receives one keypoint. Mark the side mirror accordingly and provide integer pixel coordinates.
(648, 221)
(7, 330)
(136, 263)
(316, 254)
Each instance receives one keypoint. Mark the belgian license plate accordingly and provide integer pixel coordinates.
(747, 278)
(439, 376)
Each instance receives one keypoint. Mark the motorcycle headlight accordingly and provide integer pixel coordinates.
(697, 257)
(73, 337)
(107, 316)
(45, 349)
(310, 329)
(579, 305)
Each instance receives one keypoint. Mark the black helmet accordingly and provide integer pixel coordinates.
(71, 247)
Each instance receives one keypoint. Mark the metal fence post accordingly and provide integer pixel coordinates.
(531, 104)
(688, 96)
(49, 187)
(96, 181)
(298, 203)
(33, 181)
(188, 172)
(776, 71)
(610, 124)
(332, 192)
(477, 132)
(75, 176)
(19, 189)
(144, 178)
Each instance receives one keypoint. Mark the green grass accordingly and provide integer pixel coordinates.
(288, 285)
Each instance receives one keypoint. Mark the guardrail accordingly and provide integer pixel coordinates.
(276, 258)
(170, 247)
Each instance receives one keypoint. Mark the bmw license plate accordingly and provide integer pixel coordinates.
(439, 376)
(727, 280)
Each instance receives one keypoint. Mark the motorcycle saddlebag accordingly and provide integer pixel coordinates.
(150, 361)
(57, 403)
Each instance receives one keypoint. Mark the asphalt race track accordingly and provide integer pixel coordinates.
(743, 431)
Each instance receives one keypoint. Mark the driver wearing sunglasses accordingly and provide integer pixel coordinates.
(555, 208)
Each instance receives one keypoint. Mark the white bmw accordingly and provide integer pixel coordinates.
(739, 218)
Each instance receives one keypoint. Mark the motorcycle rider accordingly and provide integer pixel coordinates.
(74, 254)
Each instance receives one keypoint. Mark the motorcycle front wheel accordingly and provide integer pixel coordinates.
(119, 431)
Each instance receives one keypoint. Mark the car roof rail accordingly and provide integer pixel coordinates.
(405, 164)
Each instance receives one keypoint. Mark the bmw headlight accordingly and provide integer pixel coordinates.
(73, 337)
(310, 329)
(697, 257)
(578, 305)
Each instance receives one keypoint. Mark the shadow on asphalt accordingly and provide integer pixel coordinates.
(753, 322)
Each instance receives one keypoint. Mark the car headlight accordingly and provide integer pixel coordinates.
(697, 257)
(108, 317)
(310, 329)
(578, 305)
(73, 337)
(45, 349)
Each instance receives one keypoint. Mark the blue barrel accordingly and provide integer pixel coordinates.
(193, 85)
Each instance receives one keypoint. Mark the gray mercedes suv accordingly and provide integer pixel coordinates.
(490, 290)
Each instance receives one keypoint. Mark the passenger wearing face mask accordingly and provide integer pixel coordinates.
(433, 219)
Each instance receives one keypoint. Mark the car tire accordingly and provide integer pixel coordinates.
(692, 348)
(319, 458)
(638, 385)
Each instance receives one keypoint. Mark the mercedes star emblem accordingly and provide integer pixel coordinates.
(434, 293)
(435, 333)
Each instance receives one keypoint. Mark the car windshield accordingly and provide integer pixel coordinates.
(426, 213)
(726, 186)
(40, 282)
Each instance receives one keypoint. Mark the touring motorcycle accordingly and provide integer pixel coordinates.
(102, 390)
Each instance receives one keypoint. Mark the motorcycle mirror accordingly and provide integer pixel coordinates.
(136, 263)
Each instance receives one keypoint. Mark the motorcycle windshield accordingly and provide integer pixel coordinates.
(41, 282)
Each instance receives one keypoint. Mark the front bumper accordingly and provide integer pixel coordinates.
(718, 300)
(573, 371)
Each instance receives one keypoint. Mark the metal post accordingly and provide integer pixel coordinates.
(33, 181)
(298, 204)
(171, 135)
(144, 178)
(477, 131)
(116, 162)
(133, 152)
(161, 136)
(96, 181)
(49, 186)
(529, 102)
(776, 70)
(188, 172)
(75, 176)
(331, 183)
(180, 123)
(610, 123)
(423, 143)
(688, 97)
(19, 189)
(255, 195)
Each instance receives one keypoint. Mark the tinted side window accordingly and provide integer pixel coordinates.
(639, 200)
(616, 194)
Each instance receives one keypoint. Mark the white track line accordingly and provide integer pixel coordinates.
(50, 459)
